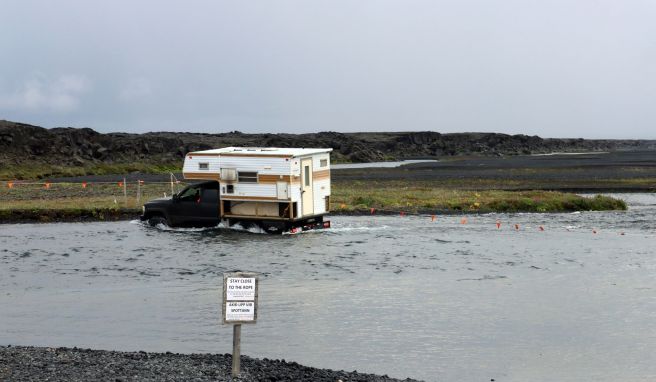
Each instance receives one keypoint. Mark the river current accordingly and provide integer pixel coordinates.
(544, 297)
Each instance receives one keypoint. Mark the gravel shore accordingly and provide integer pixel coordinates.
(20, 363)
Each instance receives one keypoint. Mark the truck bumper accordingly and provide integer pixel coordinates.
(312, 226)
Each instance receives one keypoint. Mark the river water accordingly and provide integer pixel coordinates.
(346, 166)
(403, 296)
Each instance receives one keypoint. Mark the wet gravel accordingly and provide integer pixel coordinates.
(20, 363)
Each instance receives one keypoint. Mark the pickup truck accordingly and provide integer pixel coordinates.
(195, 206)
(198, 205)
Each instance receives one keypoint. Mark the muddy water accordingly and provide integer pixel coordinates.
(402, 296)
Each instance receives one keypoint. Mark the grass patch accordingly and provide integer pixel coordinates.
(37, 170)
(355, 196)
(71, 196)
(69, 201)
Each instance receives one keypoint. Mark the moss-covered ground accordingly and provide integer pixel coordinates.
(110, 201)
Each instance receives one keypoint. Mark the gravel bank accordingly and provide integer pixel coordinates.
(19, 363)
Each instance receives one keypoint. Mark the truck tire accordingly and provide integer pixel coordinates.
(156, 220)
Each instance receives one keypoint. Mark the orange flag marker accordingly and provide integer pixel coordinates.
(433, 217)
(463, 221)
(47, 185)
(498, 224)
(10, 184)
(84, 184)
(372, 210)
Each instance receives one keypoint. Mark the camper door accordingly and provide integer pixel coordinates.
(307, 198)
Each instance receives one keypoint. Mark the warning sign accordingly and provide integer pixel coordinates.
(240, 298)
(240, 289)
(240, 311)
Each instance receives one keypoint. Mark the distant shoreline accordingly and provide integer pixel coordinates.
(45, 216)
(455, 186)
(82, 215)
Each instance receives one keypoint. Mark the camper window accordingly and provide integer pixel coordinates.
(323, 163)
(247, 177)
(203, 166)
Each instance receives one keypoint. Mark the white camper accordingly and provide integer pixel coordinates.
(266, 184)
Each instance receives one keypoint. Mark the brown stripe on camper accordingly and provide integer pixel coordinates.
(202, 155)
(254, 155)
(296, 179)
(238, 198)
(201, 175)
(273, 178)
(323, 174)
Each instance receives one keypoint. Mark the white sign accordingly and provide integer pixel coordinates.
(240, 311)
(240, 297)
(240, 289)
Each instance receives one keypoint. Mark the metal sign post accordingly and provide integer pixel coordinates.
(240, 290)
(125, 192)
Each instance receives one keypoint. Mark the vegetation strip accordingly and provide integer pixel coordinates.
(107, 202)
(362, 196)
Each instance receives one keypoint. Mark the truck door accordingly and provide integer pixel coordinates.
(187, 208)
(209, 204)
(307, 195)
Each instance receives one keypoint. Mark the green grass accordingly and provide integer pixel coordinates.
(70, 196)
(36, 170)
(358, 196)
(69, 201)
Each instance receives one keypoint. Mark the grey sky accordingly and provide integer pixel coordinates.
(571, 68)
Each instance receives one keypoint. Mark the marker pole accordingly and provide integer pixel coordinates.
(125, 192)
(236, 349)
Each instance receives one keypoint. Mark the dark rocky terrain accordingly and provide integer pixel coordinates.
(19, 363)
(618, 171)
(21, 144)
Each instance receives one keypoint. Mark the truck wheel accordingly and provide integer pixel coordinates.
(157, 220)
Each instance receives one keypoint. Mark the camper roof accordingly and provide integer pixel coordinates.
(263, 151)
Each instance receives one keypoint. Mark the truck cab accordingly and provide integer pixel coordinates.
(197, 205)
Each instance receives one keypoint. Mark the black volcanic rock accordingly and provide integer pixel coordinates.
(21, 143)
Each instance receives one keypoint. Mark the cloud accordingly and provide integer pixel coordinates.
(135, 89)
(39, 93)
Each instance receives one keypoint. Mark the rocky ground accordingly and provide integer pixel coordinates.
(622, 171)
(22, 144)
(19, 363)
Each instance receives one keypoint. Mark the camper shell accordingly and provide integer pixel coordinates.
(283, 187)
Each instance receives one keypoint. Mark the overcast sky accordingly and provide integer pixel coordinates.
(570, 68)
